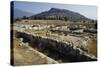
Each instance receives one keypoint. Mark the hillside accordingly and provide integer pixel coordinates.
(61, 14)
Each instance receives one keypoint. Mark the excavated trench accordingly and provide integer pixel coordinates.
(58, 51)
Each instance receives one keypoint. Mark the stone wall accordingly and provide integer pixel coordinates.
(56, 50)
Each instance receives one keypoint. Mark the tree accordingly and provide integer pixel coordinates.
(17, 19)
(24, 17)
(96, 25)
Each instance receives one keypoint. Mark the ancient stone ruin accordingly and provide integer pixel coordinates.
(54, 49)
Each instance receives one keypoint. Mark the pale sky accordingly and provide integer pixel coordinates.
(37, 7)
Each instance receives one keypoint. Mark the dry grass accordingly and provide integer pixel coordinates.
(54, 22)
(92, 46)
(44, 22)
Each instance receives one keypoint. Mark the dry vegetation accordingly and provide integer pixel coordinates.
(92, 46)
(24, 56)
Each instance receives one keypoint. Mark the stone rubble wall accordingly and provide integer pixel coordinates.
(69, 52)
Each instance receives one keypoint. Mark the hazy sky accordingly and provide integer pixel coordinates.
(36, 7)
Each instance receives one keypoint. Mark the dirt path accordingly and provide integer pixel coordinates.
(24, 55)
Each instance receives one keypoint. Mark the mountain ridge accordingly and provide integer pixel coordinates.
(56, 13)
